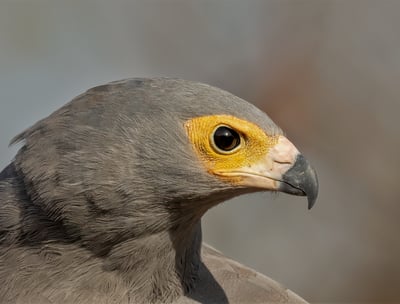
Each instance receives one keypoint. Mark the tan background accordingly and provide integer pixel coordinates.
(328, 72)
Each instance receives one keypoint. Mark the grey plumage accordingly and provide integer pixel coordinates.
(103, 202)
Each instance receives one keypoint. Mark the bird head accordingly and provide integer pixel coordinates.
(138, 156)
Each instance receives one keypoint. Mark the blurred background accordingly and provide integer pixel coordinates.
(326, 71)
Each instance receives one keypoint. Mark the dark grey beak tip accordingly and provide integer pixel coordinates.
(301, 179)
(311, 187)
(311, 201)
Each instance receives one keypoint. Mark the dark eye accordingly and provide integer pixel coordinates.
(226, 139)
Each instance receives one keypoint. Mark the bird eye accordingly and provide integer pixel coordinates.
(226, 139)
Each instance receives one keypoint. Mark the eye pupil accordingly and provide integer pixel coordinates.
(226, 139)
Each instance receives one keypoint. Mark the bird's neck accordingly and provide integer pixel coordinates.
(159, 267)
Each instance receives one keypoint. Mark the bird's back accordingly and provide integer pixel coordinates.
(223, 280)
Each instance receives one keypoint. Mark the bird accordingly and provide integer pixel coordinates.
(104, 199)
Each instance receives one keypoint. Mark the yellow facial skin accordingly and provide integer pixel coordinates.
(260, 161)
(233, 165)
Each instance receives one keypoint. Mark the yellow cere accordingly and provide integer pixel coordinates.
(254, 143)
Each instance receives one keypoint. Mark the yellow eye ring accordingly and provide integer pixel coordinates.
(225, 140)
(254, 142)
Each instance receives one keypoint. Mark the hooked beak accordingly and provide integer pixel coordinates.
(283, 169)
(301, 179)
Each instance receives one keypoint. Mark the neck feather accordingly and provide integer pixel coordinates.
(159, 267)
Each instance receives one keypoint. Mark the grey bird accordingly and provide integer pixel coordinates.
(103, 202)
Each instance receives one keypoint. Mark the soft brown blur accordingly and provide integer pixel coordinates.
(328, 72)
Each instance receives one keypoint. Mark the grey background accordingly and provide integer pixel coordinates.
(326, 71)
